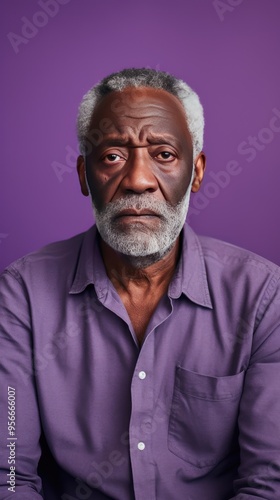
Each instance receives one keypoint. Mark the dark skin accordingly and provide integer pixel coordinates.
(146, 149)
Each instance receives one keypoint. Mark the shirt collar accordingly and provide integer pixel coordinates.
(190, 277)
(90, 267)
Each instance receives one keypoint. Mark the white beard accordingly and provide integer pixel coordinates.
(139, 241)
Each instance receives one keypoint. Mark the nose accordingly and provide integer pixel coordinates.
(139, 176)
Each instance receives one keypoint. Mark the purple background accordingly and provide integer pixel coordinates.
(233, 64)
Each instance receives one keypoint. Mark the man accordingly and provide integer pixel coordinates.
(140, 361)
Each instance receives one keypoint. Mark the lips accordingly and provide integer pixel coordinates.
(131, 212)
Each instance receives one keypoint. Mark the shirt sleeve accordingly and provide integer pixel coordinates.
(19, 417)
(259, 417)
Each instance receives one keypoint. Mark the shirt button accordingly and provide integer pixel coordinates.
(142, 375)
(141, 446)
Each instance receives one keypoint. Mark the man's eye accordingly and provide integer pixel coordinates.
(112, 157)
(165, 155)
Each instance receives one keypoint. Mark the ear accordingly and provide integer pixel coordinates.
(81, 169)
(199, 168)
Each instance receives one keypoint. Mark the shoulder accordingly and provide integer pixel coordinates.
(57, 260)
(239, 273)
(225, 255)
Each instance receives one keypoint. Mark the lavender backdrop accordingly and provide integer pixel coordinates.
(54, 50)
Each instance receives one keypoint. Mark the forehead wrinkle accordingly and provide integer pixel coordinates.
(128, 135)
(141, 103)
(153, 136)
(127, 132)
(143, 113)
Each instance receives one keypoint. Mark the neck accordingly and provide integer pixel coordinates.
(153, 271)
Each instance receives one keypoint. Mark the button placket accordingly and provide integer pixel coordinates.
(142, 395)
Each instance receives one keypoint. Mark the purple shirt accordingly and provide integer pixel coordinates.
(192, 415)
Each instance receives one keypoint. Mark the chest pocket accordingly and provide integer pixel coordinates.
(203, 417)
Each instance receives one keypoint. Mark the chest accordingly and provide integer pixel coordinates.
(140, 311)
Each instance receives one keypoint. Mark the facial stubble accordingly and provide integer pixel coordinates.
(140, 242)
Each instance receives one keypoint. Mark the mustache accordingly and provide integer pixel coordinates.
(138, 203)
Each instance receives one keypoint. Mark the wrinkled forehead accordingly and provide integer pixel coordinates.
(141, 105)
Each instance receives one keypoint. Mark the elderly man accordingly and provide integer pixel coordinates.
(140, 361)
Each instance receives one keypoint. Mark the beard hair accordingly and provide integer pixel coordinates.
(141, 244)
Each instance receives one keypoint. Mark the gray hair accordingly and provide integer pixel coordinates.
(142, 77)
